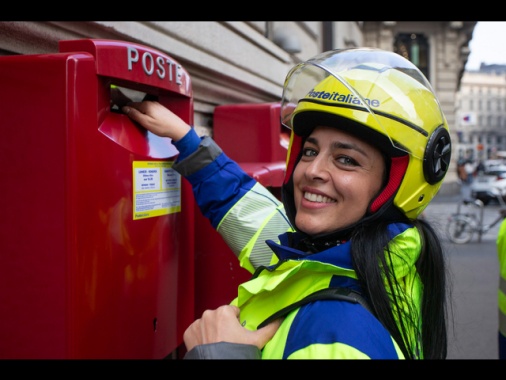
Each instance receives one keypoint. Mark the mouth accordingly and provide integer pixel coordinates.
(318, 198)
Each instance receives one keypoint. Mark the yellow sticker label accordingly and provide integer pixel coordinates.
(156, 190)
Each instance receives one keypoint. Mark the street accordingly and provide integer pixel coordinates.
(474, 280)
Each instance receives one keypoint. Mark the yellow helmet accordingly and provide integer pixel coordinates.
(382, 98)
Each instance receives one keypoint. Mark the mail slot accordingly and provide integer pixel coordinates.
(97, 254)
(252, 135)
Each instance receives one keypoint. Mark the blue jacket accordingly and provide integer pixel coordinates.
(253, 223)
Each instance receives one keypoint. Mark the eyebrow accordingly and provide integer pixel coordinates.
(340, 145)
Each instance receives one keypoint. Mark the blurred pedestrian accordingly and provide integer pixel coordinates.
(461, 171)
(470, 169)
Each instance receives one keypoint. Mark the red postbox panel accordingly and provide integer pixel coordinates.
(97, 240)
(251, 132)
(252, 135)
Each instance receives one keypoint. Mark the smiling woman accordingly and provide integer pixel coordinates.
(369, 148)
(336, 169)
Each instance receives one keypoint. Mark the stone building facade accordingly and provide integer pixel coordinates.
(481, 114)
(247, 61)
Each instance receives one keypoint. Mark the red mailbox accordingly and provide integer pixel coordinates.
(97, 235)
(252, 135)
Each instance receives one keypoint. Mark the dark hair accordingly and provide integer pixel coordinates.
(370, 254)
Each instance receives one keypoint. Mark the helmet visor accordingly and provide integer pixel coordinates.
(379, 89)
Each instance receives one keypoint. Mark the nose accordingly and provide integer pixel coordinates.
(318, 169)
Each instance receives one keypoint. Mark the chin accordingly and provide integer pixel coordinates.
(311, 230)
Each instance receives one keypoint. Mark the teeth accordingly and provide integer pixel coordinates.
(318, 198)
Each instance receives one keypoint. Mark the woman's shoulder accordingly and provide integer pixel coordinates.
(344, 328)
(335, 315)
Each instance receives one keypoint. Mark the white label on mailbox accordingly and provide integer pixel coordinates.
(157, 189)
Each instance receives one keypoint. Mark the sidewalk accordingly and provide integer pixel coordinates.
(447, 198)
(452, 194)
(444, 205)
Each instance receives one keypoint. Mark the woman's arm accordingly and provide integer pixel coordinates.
(238, 207)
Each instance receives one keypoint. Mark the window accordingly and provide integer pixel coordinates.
(415, 48)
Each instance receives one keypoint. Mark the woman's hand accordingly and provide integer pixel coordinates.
(222, 325)
(157, 119)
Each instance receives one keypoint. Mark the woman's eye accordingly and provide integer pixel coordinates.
(345, 160)
(308, 152)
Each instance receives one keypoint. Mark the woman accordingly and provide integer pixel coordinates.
(369, 149)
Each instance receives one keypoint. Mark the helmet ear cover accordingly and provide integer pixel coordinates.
(436, 160)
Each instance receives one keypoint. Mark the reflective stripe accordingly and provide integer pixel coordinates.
(258, 216)
(501, 301)
(501, 296)
(208, 152)
(502, 285)
(502, 323)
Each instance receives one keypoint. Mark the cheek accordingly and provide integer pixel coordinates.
(351, 186)
(369, 190)
(379, 179)
(298, 174)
